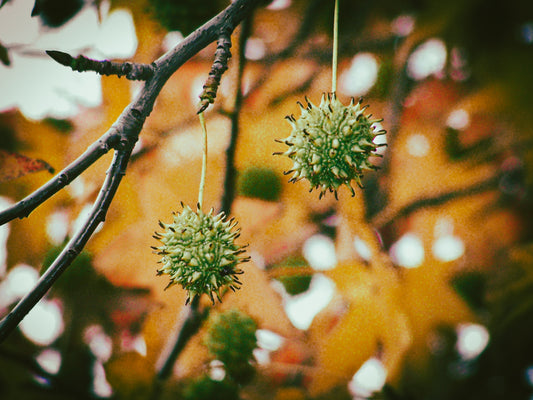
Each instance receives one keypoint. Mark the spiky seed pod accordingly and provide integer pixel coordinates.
(231, 339)
(330, 145)
(198, 251)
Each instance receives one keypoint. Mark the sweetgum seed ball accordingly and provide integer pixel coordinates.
(231, 336)
(330, 145)
(199, 252)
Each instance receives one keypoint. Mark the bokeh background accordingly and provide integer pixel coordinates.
(418, 287)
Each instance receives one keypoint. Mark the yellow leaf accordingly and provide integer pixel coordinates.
(341, 351)
(259, 300)
(130, 375)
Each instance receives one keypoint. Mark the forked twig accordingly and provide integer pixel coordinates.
(74, 246)
(122, 136)
(220, 65)
(96, 150)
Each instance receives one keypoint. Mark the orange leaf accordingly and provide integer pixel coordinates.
(14, 165)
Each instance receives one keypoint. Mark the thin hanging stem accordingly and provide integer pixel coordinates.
(335, 47)
(204, 160)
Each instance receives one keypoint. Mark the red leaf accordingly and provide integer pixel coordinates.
(14, 165)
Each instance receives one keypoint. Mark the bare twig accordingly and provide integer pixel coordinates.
(191, 324)
(122, 136)
(230, 176)
(74, 246)
(389, 215)
(189, 327)
(220, 65)
(132, 71)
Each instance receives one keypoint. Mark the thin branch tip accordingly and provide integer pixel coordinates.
(132, 71)
(60, 57)
(219, 66)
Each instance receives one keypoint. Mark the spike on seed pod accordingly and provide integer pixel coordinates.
(198, 252)
(329, 139)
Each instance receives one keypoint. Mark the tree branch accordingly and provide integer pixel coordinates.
(75, 245)
(389, 215)
(25, 206)
(132, 71)
(230, 176)
(122, 136)
(220, 65)
(191, 324)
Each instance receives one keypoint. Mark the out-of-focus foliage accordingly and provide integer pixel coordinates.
(205, 388)
(54, 13)
(439, 239)
(14, 165)
(184, 16)
(293, 282)
(260, 183)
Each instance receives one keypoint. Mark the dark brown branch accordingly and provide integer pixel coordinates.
(132, 71)
(389, 215)
(123, 135)
(74, 246)
(230, 177)
(189, 327)
(220, 65)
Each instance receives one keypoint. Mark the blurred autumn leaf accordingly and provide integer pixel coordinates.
(4, 56)
(14, 165)
(183, 16)
(55, 13)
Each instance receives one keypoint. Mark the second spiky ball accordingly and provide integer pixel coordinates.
(330, 145)
(231, 339)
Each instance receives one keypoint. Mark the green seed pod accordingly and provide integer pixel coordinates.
(199, 252)
(231, 339)
(330, 145)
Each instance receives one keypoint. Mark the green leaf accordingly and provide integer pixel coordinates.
(259, 182)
